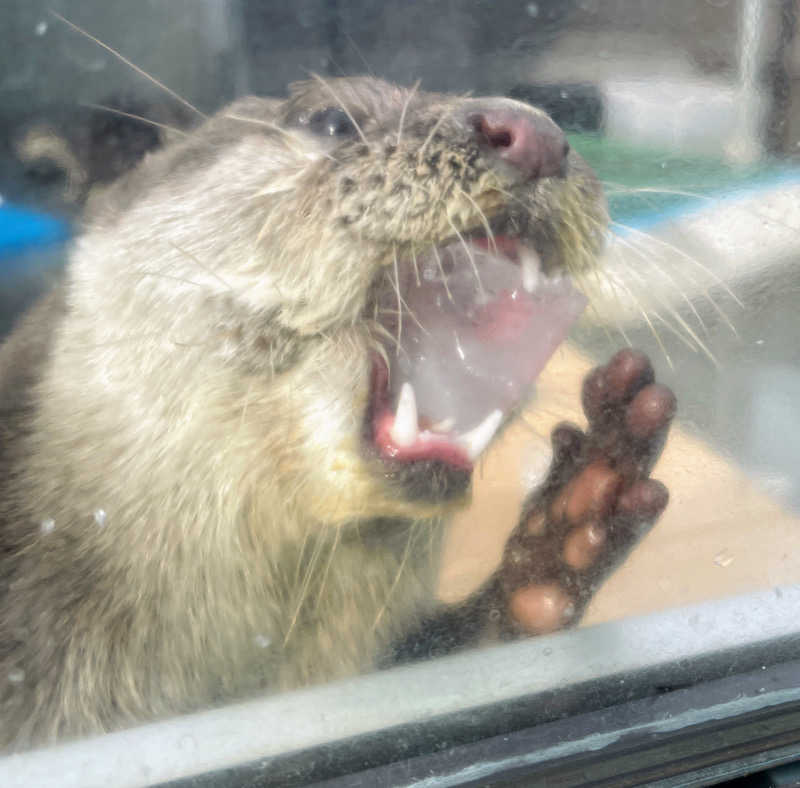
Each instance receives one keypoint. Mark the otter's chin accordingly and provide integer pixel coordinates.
(428, 481)
(468, 327)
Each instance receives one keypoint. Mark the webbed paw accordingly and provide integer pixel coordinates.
(597, 502)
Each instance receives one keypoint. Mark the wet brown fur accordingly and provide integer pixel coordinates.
(188, 511)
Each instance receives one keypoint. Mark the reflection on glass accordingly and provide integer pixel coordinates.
(287, 421)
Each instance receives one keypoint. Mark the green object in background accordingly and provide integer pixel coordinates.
(648, 184)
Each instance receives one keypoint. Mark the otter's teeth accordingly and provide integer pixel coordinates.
(478, 438)
(405, 429)
(531, 265)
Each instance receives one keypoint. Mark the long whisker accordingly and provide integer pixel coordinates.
(671, 277)
(123, 340)
(416, 267)
(617, 326)
(127, 62)
(247, 397)
(470, 255)
(133, 116)
(317, 551)
(718, 279)
(649, 323)
(289, 136)
(410, 96)
(172, 277)
(385, 311)
(325, 572)
(442, 118)
(358, 51)
(443, 274)
(709, 198)
(676, 316)
(413, 531)
(384, 332)
(612, 285)
(484, 220)
(261, 122)
(646, 258)
(201, 266)
(399, 304)
(512, 197)
(608, 280)
(681, 336)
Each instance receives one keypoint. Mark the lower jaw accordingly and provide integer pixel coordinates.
(441, 477)
(429, 448)
(430, 482)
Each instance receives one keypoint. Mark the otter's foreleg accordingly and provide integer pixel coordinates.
(598, 501)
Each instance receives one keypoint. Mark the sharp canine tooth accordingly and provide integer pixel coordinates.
(531, 265)
(405, 430)
(478, 438)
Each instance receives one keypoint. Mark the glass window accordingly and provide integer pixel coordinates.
(362, 396)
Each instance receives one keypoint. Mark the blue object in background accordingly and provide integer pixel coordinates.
(23, 231)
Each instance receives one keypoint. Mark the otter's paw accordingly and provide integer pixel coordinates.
(597, 502)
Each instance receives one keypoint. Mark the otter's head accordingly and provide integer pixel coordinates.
(394, 263)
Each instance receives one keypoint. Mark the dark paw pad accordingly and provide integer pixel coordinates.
(597, 502)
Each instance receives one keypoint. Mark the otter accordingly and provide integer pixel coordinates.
(232, 438)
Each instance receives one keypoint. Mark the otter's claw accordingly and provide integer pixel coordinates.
(597, 502)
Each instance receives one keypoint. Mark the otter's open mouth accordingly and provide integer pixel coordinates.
(469, 327)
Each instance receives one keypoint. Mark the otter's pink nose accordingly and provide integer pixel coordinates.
(527, 140)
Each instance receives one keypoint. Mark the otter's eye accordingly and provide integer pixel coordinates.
(331, 122)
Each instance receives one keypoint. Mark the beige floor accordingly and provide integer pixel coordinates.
(719, 535)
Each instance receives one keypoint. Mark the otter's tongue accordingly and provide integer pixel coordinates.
(477, 329)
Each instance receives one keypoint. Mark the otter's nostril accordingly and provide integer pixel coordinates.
(494, 135)
(527, 140)
(500, 139)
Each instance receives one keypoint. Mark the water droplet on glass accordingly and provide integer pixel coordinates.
(41, 28)
(100, 517)
(723, 558)
(187, 742)
(532, 9)
(47, 525)
(16, 676)
(262, 641)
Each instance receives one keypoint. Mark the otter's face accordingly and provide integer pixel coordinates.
(409, 254)
(472, 211)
